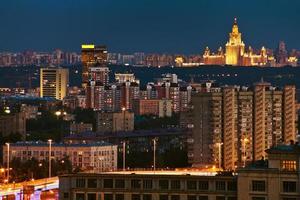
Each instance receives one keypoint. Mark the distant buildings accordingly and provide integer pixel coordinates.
(236, 125)
(76, 128)
(157, 107)
(98, 156)
(235, 53)
(58, 57)
(54, 82)
(115, 121)
(14, 123)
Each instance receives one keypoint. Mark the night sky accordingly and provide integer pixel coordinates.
(172, 26)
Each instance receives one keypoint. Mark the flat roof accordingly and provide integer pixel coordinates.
(165, 172)
(41, 144)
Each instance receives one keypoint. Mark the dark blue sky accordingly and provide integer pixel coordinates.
(174, 26)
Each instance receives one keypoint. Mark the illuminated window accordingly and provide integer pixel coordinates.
(288, 165)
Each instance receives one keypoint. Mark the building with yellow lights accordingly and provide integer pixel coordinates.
(235, 52)
(92, 56)
(54, 82)
(235, 125)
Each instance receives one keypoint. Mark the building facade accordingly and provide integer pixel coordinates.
(13, 124)
(92, 56)
(148, 185)
(235, 125)
(54, 82)
(235, 52)
(115, 121)
(98, 156)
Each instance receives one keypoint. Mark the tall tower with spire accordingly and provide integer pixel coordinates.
(235, 47)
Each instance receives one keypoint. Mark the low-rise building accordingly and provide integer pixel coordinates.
(148, 185)
(100, 156)
(276, 179)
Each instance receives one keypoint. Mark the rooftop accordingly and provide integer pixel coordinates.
(41, 144)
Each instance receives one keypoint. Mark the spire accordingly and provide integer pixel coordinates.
(235, 21)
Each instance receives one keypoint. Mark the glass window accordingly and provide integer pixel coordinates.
(231, 198)
(120, 183)
(108, 197)
(66, 195)
(203, 197)
(175, 184)
(80, 182)
(289, 186)
(258, 198)
(231, 186)
(191, 197)
(108, 183)
(119, 197)
(175, 197)
(147, 197)
(220, 198)
(147, 184)
(220, 185)
(163, 184)
(79, 196)
(203, 185)
(259, 186)
(92, 183)
(191, 185)
(91, 196)
(288, 165)
(135, 197)
(136, 183)
(163, 197)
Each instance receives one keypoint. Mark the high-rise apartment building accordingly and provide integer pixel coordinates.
(235, 125)
(54, 82)
(92, 56)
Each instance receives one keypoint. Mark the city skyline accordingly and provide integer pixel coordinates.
(171, 27)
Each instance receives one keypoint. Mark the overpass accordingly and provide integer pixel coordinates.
(31, 190)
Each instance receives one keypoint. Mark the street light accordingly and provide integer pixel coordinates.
(244, 141)
(8, 160)
(50, 147)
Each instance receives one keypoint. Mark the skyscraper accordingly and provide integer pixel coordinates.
(54, 82)
(92, 56)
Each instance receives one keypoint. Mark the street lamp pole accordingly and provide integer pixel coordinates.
(124, 155)
(154, 154)
(50, 149)
(8, 160)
